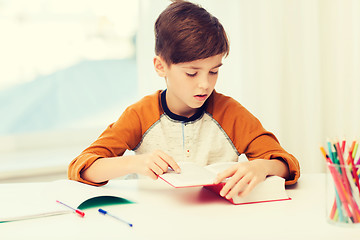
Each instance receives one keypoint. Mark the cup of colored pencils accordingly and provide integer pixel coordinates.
(343, 188)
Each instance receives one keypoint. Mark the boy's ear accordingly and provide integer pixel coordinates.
(160, 66)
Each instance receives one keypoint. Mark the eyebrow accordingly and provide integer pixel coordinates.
(196, 68)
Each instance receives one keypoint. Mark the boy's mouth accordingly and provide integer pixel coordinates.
(200, 97)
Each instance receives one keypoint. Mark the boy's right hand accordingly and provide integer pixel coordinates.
(154, 164)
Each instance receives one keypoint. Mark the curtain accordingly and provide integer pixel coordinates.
(294, 64)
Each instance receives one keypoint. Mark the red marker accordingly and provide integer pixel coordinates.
(77, 211)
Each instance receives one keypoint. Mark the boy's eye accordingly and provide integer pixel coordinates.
(191, 74)
(214, 73)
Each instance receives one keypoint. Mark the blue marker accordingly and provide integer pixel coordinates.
(107, 213)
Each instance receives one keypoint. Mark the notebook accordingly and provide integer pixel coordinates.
(39, 199)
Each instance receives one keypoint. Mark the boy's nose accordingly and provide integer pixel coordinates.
(203, 82)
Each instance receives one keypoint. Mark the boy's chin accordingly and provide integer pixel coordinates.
(197, 105)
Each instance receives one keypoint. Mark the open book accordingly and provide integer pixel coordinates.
(193, 175)
(35, 200)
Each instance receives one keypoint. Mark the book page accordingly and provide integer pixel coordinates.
(220, 166)
(272, 189)
(191, 175)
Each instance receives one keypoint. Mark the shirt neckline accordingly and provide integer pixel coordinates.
(200, 111)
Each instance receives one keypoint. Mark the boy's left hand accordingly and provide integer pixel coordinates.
(243, 177)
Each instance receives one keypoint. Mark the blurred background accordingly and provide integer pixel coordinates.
(69, 68)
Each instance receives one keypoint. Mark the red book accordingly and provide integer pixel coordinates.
(193, 175)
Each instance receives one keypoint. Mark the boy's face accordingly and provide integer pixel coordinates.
(189, 84)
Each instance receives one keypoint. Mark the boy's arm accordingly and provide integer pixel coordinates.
(151, 164)
(248, 135)
(261, 147)
(104, 159)
(266, 157)
(113, 142)
(257, 143)
(266, 146)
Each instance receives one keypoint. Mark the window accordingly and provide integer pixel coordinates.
(68, 69)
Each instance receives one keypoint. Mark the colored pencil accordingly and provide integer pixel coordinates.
(346, 182)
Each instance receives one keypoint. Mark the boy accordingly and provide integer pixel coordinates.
(189, 121)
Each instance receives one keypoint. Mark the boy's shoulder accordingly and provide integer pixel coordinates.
(222, 107)
(220, 101)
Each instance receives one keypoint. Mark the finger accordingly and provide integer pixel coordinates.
(225, 174)
(156, 169)
(249, 188)
(151, 174)
(231, 183)
(161, 164)
(170, 161)
(239, 187)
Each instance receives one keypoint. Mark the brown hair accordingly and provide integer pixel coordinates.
(185, 32)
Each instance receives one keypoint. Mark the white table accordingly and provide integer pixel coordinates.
(163, 212)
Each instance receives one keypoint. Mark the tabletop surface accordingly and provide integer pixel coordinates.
(163, 212)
